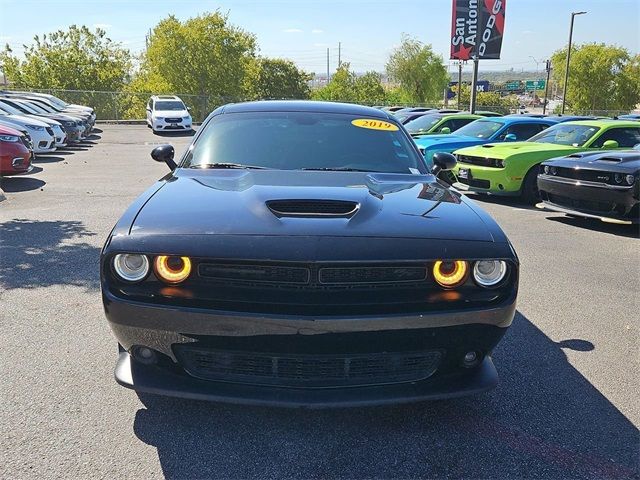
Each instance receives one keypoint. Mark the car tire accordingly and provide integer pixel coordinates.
(529, 192)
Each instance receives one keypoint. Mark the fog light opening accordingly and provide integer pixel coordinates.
(471, 359)
(144, 355)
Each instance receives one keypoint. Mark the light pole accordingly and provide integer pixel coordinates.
(566, 69)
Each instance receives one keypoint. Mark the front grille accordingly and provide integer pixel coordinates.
(357, 275)
(49, 130)
(475, 182)
(589, 205)
(255, 273)
(297, 370)
(586, 175)
(331, 208)
(481, 161)
(173, 120)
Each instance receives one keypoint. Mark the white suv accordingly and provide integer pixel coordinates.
(167, 113)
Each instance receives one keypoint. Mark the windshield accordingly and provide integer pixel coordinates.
(57, 102)
(566, 134)
(304, 140)
(422, 124)
(170, 105)
(6, 108)
(30, 107)
(480, 129)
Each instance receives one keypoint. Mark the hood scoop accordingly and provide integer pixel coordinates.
(312, 208)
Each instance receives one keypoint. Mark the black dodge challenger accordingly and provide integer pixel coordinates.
(300, 253)
(602, 185)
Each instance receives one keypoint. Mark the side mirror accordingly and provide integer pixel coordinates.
(610, 144)
(442, 161)
(164, 153)
(445, 130)
(188, 109)
(148, 109)
(510, 137)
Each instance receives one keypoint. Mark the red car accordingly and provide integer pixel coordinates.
(15, 152)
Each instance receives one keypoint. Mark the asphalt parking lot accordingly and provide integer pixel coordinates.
(567, 404)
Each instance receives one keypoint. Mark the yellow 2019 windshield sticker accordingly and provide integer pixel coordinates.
(374, 124)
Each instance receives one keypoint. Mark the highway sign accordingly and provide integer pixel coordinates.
(534, 85)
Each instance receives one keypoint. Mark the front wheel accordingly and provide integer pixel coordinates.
(529, 193)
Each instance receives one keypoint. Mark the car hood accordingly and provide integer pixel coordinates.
(49, 121)
(23, 120)
(171, 113)
(504, 150)
(201, 202)
(449, 140)
(614, 161)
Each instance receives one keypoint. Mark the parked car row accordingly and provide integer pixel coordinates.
(577, 165)
(40, 123)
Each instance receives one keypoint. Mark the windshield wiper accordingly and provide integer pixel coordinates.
(228, 165)
(339, 169)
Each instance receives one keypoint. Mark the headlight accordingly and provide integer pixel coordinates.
(488, 273)
(172, 269)
(629, 179)
(618, 177)
(131, 267)
(553, 170)
(450, 273)
(9, 138)
(68, 123)
(35, 127)
(158, 119)
(546, 169)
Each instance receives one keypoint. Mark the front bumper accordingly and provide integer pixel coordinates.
(163, 328)
(497, 181)
(609, 203)
(162, 125)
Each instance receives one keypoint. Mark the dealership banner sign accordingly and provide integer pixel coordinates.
(477, 28)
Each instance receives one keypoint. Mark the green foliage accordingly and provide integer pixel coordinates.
(204, 55)
(345, 86)
(486, 100)
(418, 70)
(274, 78)
(601, 77)
(76, 59)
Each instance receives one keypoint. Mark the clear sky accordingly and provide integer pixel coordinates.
(302, 30)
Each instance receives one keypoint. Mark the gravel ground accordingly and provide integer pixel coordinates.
(567, 404)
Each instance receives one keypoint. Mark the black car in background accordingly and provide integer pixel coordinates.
(300, 253)
(602, 185)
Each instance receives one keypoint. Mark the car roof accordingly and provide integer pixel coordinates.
(302, 106)
(521, 119)
(165, 97)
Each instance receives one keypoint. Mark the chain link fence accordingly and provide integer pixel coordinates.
(132, 106)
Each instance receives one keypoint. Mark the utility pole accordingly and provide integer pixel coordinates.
(328, 73)
(566, 68)
(339, 52)
(474, 81)
(459, 82)
(546, 87)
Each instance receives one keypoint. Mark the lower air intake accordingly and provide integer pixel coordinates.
(295, 370)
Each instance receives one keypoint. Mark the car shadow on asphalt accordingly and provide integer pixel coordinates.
(44, 253)
(596, 225)
(544, 420)
(190, 133)
(19, 184)
(47, 158)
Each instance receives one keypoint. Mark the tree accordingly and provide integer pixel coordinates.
(76, 59)
(346, 86)
(203, 56)
(418, 70)
(486, 100)
(368, 89)
(602, 77)
(276, 79)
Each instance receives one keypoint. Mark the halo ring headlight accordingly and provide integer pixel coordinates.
(488, 273)
(131, 267)
(450, 273)
(172, 269)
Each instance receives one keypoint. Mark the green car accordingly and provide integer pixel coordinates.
(438, 123)
(512, 168)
